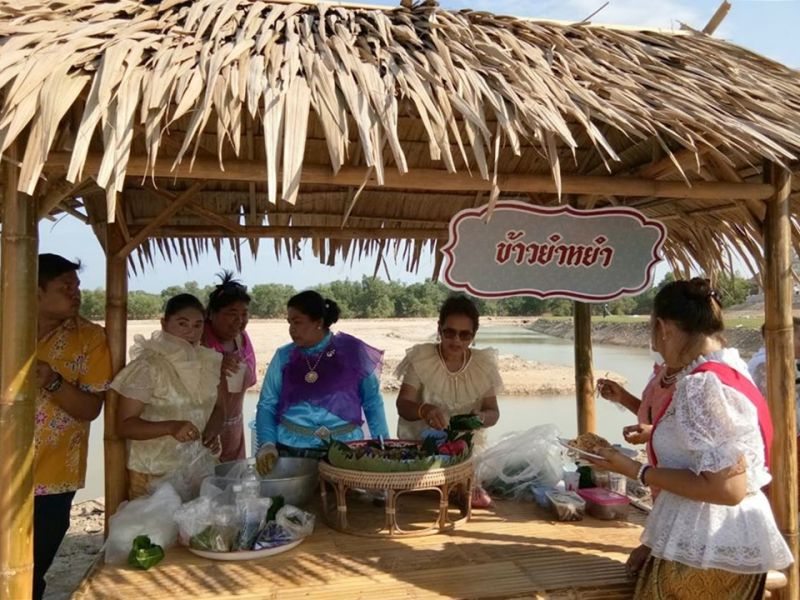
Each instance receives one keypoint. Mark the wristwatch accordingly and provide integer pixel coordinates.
(54, 385)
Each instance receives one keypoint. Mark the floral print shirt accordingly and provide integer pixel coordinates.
(78, 351)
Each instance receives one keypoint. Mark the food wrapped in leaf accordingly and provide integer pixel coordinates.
(145, 554)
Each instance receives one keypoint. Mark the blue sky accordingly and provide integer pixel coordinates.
(765, 26)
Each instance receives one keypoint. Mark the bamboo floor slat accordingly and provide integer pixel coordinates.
(514, 551)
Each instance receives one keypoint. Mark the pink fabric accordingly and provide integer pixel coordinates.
(232, 436)
(654, 396)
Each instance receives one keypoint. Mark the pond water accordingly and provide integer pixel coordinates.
(517, 413)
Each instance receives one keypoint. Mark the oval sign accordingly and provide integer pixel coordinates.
(525, 250)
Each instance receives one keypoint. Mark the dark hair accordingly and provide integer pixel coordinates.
(52, 266)
(694, 305)
(458, 304)
(181, 301)
(228, 291)
(315, 307)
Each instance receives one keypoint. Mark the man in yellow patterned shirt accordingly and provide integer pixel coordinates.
(73, 371)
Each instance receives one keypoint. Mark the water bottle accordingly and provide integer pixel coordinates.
(251, 482)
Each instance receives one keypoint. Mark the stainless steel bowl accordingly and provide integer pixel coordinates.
(293, 478)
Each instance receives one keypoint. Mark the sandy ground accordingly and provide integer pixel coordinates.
(393, 336)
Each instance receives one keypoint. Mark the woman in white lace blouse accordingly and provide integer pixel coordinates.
(167, 393)
(449, 378)
(711, 533)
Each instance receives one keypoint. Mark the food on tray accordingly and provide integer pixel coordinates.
(589, 442)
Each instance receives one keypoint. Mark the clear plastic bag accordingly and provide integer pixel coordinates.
(298, 523)
(252, 518)
(193, 517)
(150, 515)
(519, 460)
(198, 463)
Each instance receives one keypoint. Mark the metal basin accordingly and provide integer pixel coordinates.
(293, 478)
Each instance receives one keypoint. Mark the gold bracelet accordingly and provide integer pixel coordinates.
(419, 412)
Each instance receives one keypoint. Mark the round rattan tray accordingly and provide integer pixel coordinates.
(394, 484)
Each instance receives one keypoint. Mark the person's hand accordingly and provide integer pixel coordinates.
(636, 560)
(610, 390)
(44, 374)
(637, 434)
(266, 457)
(214, 445)
(230, 363)
(613, 460)
(434, 416)
(213, 428)
(184, 431)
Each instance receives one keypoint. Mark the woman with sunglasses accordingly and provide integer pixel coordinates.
(447, 378)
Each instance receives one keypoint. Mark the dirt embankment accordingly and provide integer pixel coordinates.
(748, 341)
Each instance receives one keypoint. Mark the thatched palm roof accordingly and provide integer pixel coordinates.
(146, 95)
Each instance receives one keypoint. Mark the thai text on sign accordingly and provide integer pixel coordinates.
(594, 255)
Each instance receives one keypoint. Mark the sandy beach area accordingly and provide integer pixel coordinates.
(394, 336)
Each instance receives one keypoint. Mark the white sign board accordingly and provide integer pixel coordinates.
(524, 250)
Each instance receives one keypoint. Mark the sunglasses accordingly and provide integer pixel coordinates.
(464, 335)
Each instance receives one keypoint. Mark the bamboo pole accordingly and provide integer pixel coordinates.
(116, 474)
(279, 231)
(432, 179)
(584, 378)
(18, 281)
(780, 365)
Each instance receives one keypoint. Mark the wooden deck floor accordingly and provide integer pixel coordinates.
(514, 551)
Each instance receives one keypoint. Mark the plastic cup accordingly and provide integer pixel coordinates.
(236, 379)
(572, 480)
(618, 483)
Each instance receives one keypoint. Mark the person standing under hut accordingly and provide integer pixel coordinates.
(73, 370)
(449, 378)
(167, 393)
(711, 533)
(320, 386)
(228, 314)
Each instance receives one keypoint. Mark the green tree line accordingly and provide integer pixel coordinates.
(375, 298)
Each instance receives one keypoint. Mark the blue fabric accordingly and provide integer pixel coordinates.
(269, 430)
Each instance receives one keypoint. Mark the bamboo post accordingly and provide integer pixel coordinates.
(116, 474)
(18, 282)
(584, 378)
(780, 365)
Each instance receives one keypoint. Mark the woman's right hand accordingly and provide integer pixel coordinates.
(230, 363)
(266, 457)
(637, 434)
(636, 560)
(184, 431)
(610, 390)
(434, 416)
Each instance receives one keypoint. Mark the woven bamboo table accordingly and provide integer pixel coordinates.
(445, 480)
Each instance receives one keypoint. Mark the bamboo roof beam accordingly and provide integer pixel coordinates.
(59, 192)
(439, 180)
(717, 18)
(330, 233)
(179, 202)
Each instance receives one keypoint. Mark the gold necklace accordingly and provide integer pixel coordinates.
(312, 376)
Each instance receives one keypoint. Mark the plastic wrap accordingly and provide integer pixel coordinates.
(297, 522)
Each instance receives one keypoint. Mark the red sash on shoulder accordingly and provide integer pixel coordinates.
(731, 378)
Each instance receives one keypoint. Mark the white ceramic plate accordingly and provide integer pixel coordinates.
(245, 554)
(566, 443)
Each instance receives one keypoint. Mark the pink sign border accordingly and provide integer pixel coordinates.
(480, 212)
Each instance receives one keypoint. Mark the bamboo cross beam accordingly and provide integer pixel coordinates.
(330, 233)
(436, 180)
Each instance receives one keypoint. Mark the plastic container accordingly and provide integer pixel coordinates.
(604, 504)
(540, 494)
(566, 506)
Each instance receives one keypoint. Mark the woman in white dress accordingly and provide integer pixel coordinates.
(711, 533)
(447, 378)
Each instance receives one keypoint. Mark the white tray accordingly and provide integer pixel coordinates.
(566, 443)
(245, 554)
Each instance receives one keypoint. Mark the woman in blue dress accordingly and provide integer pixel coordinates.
(320, 386)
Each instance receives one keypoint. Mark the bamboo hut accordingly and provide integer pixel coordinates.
(175, 126)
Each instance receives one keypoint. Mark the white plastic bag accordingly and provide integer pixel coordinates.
(198, 463)
(509, 467)
(298, 523)
(150, 515)
(193, 517)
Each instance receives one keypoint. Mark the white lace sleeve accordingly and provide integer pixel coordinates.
(717, 424)
(136, 380)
